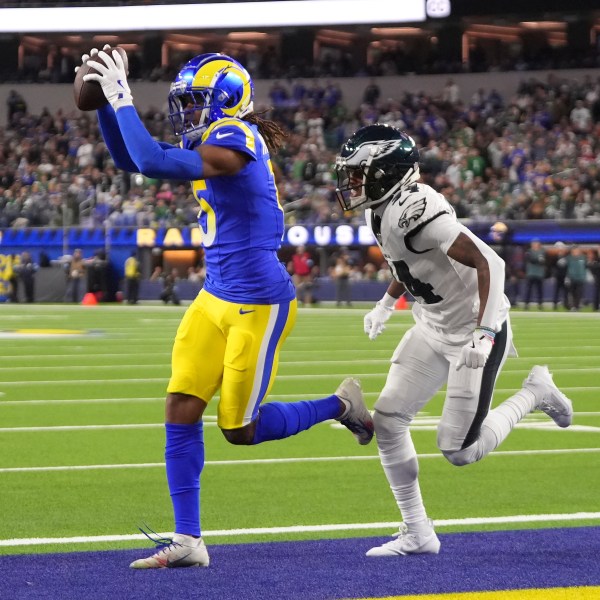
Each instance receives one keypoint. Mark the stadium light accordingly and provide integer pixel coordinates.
(160, 17)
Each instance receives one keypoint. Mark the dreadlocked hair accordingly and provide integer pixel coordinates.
(272, 132)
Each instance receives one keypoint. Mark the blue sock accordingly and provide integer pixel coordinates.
(278, 420)
(184, 457)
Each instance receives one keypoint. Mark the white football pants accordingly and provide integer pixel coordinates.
(467, 430)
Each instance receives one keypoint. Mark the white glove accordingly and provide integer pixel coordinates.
(475, 354)
(374, 321)
(85, 57)
(92, 53)
(112, 76)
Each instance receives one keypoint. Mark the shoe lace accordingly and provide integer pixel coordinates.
(548, 408)
(402, 531)
(161, 542)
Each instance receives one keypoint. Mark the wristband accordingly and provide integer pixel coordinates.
(489, 333)
(388, 301)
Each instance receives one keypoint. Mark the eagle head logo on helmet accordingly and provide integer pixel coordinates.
(208, 88)
(376, 162)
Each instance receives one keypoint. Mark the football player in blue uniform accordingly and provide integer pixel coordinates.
(231, 335)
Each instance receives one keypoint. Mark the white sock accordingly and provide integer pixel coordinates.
(406, 493)
(501, 421)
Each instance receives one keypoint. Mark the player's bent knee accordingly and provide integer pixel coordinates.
(463, 457)
(389, 424)
(244, 436)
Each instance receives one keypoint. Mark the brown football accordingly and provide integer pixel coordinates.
(88, 94)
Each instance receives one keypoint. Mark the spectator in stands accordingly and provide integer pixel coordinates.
(451, 92)
(581, 117)
(15, 105)
(372, 93)
(535, 269)
(552, 168)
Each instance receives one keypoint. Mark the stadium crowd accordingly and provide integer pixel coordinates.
(533, 155)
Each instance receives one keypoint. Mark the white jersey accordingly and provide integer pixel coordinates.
(414, 232)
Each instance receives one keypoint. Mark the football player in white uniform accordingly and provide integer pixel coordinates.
(462, 332)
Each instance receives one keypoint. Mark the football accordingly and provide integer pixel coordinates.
(88, 94)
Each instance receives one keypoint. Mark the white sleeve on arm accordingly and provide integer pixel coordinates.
(438, 233)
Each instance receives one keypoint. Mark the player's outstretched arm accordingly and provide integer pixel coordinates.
(374, 321)
(149, 157)
(109, 127)
(154, 159)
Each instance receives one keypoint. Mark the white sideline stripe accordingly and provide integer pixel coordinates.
(582, 516)
(266, 461)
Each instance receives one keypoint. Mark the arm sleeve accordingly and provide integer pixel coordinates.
(153, 159)
(111, 133)
(440, 232)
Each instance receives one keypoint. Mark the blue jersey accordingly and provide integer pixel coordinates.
(242, 222)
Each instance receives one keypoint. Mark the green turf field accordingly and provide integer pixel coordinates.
(81, 437)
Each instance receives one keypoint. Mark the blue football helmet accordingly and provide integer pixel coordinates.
(208, 88)
(374, 164)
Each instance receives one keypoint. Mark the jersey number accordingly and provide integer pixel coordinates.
(207, 217)
(413, 285)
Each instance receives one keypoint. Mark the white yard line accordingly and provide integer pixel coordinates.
(270, 461)
(25, 403)
(507, 520)
(58, 428)
(299, 396)
(295, 363)
(279, 377)
(167, 365)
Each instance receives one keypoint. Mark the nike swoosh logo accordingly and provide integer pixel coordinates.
(174, 563)
(245, 312)
(120, 83)
(222, 134)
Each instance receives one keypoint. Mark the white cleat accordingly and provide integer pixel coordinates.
(405, 542)
(183, 551)
(549, 398)
(356, 417)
